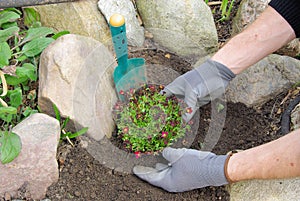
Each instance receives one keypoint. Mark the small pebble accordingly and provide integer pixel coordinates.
(77, 193)
(7, 196)
(93, 195)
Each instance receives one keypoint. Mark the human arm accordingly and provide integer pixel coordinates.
(277, 159)
(274, 160)
(266, 34)
(190, 169)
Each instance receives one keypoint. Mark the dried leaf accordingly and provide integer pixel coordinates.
(10, 70)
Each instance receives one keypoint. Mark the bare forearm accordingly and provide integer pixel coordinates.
(264, 36)
(276, 159)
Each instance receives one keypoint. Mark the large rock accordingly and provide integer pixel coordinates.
(80, 17)
(184, 27)
(267, 190)
(135, 32)
(248, 11)
(295, 117)
(264, 80)
(75, 74)
(36, 168)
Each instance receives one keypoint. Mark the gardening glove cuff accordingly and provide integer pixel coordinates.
(201, 85)
(187, 169)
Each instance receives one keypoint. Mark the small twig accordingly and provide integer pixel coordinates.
(214, 3)
(4, 84)
(3, 103)
(69, 141)
(286, 97)
(273, 108)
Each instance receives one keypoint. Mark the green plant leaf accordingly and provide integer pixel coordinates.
(29, 111)
(59, 34)
(14, 80)
(7, 113)
(22, 58)
(78, 133)
(8, 16)
(5, 54)
(36, 46)
(23, 74)
(10, 146)
(220, 107)
(35, 33)
(8, 110)
(12, 10)
(57, 113)
(15, 97)
(7, 117)
(27, 70)
(9, 24)
(7, 33)
(65, 122)
(31, 17)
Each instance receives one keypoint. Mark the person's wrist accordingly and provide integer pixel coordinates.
(230, 181)
(215, 174)
(224, 72)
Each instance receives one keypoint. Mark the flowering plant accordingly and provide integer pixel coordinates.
(148, 121)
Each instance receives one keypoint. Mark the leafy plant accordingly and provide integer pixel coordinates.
(20, 48)
(10, 146)
(226, 10)
(63, 123)
(149, 121)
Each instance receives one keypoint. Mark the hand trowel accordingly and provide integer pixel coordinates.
(130, 73)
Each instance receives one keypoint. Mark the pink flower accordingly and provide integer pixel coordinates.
(137, 154)
(131, 91)
(138, 116)
(189, 110)
(117, 107)
(172, 123)
(190, 122)
(121, 92)
(152, 88)
(164, 134)
(125, 130)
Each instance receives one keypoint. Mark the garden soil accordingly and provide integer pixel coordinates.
(84, 178)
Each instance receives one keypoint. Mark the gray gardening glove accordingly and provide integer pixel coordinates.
(187, 169)
(200, 85)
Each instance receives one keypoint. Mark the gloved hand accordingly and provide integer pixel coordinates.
(187, 169)
(200, 85)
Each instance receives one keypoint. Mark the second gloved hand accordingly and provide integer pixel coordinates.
(187, 169)
(200, 85)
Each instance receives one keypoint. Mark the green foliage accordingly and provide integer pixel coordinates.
(63, 123)
(20, 49)
(220, 107)
(32, 18)
(149, 121)
(10, 146)
(226, 10)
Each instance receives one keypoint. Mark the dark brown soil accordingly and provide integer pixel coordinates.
(84, 178)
